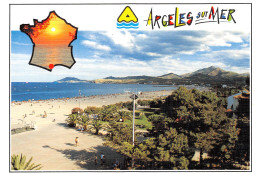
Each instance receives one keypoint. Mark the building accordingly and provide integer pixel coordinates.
(239, 104)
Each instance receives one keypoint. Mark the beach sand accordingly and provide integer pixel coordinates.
(52, 143)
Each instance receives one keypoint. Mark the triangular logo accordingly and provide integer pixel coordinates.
(127, 15)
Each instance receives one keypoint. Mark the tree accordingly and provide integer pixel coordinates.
(84, 120)
(200, 117)
(72, 120)
(119, 133)
(144, 102)
(108, 112)
(159, 124)
(19, 163)
(97, 125)
(123, 115)
(171, 148)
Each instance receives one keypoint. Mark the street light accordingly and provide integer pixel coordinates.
(134, 97)
(79, 98)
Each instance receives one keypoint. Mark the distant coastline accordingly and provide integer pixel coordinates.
(48, 91)
(207, 76)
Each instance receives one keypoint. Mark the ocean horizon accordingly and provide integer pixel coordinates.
(24, 91)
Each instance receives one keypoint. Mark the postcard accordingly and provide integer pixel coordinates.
(130, 87)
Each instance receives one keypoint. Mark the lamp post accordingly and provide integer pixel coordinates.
(134, 97)
(79, 98)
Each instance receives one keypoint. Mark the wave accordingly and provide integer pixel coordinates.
(128, 27)
(127, 23)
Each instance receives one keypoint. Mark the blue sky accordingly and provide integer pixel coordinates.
(123, 53)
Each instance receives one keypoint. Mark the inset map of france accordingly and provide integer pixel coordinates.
(51, 38)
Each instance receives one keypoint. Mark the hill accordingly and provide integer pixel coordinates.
(71, 80)
(170, 76)
(211, 75)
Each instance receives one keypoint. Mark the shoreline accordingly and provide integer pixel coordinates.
(33, 110)
(85, 97)
(77, 97)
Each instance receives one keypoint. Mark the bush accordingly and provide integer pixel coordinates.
(143, 102)
(76, 110)
(92, 110)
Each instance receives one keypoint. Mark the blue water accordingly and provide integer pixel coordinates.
(21, 91)
(127, 25)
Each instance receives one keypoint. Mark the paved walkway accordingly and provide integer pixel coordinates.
(53, 146)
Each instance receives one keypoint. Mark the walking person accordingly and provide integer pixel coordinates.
(102, 158)
(77, 141)
(96, 160)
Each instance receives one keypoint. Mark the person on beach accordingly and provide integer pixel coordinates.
(96, 160)
(102, 158)
(45, 114)
(77, 141)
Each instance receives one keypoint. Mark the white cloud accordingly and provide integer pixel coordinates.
(221, 38)
(142, 36)
(166, 56)
(89, 68)
(122, 38)
(153, 54)
(95, 45)
(244, 45)
(239, 69)
(229, 54)
(191, 52)
(178, 66)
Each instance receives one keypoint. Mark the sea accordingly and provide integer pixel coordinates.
(24, 91)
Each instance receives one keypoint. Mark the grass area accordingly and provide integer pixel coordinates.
(141, 120)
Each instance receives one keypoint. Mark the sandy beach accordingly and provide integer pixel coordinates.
(52, 143)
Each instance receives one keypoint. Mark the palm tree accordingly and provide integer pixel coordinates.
(72, 120)
(123, 115)
(19, 163)
(108, 113)
(84, 120)
(97, 125)
(104, 114)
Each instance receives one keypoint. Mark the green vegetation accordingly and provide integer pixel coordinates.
(92, 110)
(189, 120)
(72, 120)
(119, 133)
(97, 125)
(176, 126)
(76, 110)
(84, 121)
(141, 122)
(18, 162)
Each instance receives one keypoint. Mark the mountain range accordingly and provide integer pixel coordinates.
(211, 75)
